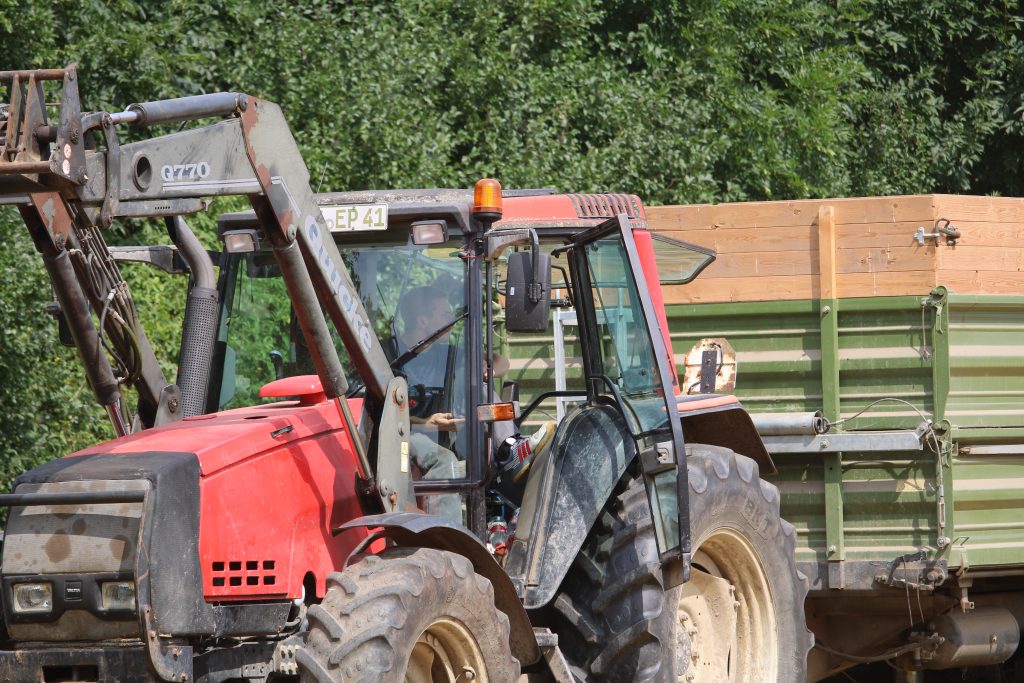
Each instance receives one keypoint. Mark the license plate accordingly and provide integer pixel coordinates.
(356, 217)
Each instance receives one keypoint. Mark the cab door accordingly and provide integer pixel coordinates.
(625, 364)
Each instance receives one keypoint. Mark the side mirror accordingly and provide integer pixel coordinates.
(528, 292)
(510, 392)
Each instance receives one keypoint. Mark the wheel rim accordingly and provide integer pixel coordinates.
(726, 614)
(446, 651)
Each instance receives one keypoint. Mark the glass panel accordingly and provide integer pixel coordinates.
(412, 294)
(415, 297)
(539, 366)
(258, 330)
(627, 354)
(679, 262)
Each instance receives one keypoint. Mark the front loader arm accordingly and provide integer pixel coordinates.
(251, 152)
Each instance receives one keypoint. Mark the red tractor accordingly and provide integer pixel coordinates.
(382, 521)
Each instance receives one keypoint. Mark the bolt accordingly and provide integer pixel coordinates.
(74, 136)
(824, 443)
(183, 677)
(695, 656)
(393, 499)
(993, 639)
(690, 676)
(825, 310)
(691, 631)
(399, 395)
(684, 617)
(469, 673)
(176, 652)
(832, 550)
(172, 405)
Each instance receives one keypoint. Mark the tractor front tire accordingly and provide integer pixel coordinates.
(739, 618)
(408, 614)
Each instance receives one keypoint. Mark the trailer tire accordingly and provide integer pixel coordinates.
(618, 623)
(408, 614)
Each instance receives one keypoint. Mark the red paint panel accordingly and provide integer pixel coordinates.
(645, 250)
(557, 207)
(278, 507)
(265, 498)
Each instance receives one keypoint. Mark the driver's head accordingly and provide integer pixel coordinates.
(424, 310)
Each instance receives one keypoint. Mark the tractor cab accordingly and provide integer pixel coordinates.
(451, 305)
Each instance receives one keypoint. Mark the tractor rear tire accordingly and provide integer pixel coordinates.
(408, 614)
(739, 618)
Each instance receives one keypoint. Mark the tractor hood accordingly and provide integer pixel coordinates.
(222, 439)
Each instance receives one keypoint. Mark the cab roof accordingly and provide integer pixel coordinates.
(540, 209)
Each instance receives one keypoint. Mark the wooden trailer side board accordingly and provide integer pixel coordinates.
(769, 251)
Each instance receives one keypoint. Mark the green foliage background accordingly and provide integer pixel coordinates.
(676, 101)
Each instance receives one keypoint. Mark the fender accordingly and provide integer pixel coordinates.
(418, 530)
(568, 486)
(721, 420)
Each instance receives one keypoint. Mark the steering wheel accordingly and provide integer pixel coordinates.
(424, 400)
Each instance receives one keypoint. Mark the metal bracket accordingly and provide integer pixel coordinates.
(864, 442)
(548, 643)
(930, 575)
(709, 364)
(171, 662)
(942, 228)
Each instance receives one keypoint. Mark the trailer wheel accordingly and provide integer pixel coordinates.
(408, 614)
(739, 618)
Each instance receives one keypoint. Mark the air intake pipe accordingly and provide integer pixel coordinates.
(200, 327)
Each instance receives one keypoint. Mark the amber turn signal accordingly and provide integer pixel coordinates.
(496, 412)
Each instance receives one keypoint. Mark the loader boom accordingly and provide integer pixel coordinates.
(68, 191)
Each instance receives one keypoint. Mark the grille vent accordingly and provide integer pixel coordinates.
(606, 205)
(238, 573)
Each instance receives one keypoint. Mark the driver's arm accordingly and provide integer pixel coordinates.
(444, 422)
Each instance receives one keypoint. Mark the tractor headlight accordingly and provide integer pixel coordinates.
(117, 595)
(33, 598)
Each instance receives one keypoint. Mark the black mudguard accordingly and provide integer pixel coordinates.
(570, 485)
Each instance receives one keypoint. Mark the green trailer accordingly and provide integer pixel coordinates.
(899, 324)
(901, 320)
(912, 503)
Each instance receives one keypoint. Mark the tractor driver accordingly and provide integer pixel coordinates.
(423, 311)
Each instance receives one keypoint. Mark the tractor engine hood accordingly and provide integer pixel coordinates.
(78, 548)
(220, 440)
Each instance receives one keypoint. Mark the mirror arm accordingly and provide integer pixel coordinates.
(536, 290)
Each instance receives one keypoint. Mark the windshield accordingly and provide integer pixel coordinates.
(415, 298)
